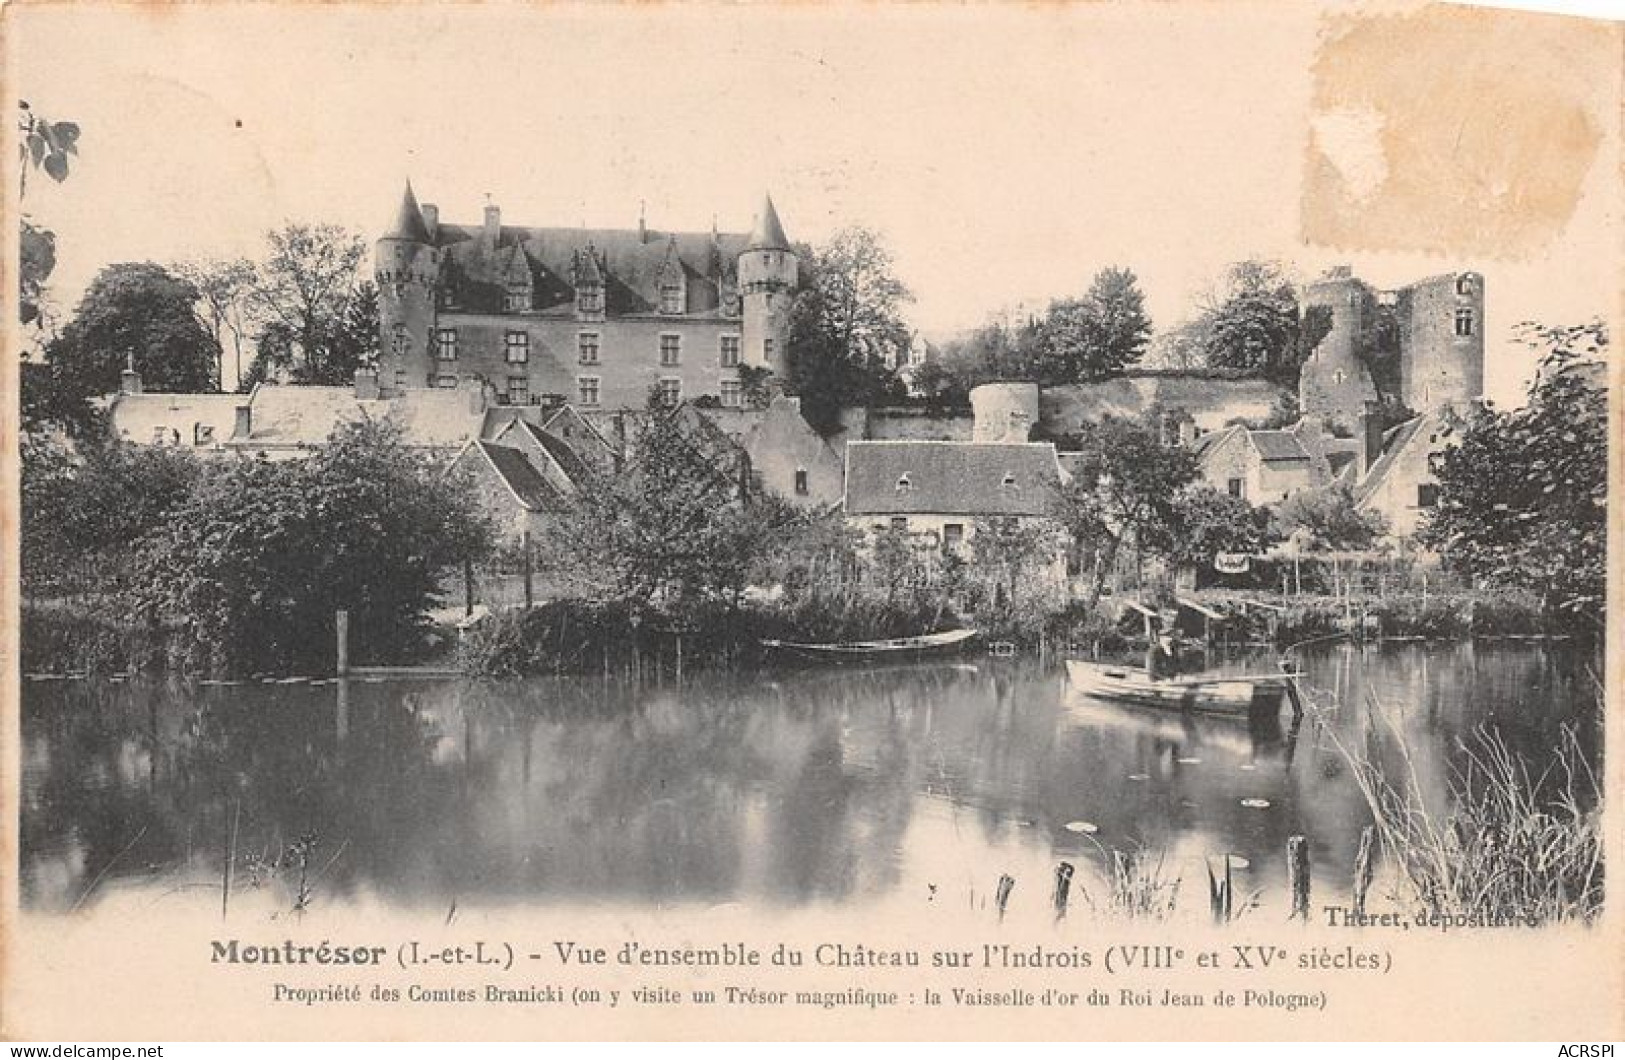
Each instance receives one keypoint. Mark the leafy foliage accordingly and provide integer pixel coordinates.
(1207, 522)
(44, 145)
(846, 328)
(1255, 328)
(260, 555)
(1328, 520)
(681, 524)
(306, 287)
(139, 312)
(1523, 497)
(1098, 335)
(1124, 491)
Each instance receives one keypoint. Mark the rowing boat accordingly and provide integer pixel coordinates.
(864, 650)
(1238, 695)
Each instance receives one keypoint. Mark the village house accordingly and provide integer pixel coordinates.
(940, 494)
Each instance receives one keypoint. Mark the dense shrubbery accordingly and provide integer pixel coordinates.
(75, 638)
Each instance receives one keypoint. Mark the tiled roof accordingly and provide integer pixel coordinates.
(517, 473)
(1276, 446)
(950, 478)
(568, 459)
(1206, 442)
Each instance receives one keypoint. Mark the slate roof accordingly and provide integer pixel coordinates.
(1393, 443)
(518, 475)
(409, 224)
(299, 415)
(768, 234)
(950, 478)
(568, 459)
(138, 416)
(558, 257)
(1276, 446)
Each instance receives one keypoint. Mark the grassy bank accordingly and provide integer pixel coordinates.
(83, 637)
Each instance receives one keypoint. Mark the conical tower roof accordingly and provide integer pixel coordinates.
(409, 223)
(768, 233)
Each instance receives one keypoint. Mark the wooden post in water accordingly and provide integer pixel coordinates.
(1063, 887)
(1297, 875)
(530, 593)
(1364, 867)
(341, 628)
(1001, 897)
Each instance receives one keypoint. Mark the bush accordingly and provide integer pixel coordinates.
(76, 639)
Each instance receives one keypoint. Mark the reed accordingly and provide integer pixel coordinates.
(1512, 845)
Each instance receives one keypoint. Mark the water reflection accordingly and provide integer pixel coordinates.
(924, 782)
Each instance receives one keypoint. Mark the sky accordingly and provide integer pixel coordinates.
(1005, 153)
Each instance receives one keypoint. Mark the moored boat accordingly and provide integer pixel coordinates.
(1238, 695)
(866, 650)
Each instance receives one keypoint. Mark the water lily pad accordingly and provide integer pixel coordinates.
(1082, 827)
(1256, 804)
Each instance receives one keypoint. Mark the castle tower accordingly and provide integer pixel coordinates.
(407, 269)
(767, 278)
(1335, 383)
(1441, 342)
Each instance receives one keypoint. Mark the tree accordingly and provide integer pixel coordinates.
(1523, 496)
(304, 290)
(138, 313)
(682, 524)
(261, 554)
(225, 306)
(1007, 549)
(1098, 335)
(1123, 491)
(1254, 327)
(847, 333)
(1206, 522)
(1328, 520)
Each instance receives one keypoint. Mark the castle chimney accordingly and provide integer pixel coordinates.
(129, 380)
(493, 224)
(245, 422)
(1370, 437)
(431, 218)
(366, 384)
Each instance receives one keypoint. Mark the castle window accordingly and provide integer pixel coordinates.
(518, 347)
(671, 349)
(1427, 495)
(728, 351)
(446, 344)
(400, 343)
(671, 298)
(1237, 487)
(767, 351)
(446, 382)
(587, 390)
(587, 347)
(732, 393)
(518, 390)
(516, 299)
(801, 482)
(1464, 322)
(671, 392)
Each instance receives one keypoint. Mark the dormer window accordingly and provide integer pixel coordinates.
(1464, 285)
(1464, 322)
(671, 298)
(1009, 481)
(590, 300)
(516, 300)
(903, 484)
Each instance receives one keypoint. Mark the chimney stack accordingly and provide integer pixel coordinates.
(245, 422)
(1370, 437)
(493, 224)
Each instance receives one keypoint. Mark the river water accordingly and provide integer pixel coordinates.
(920, 783)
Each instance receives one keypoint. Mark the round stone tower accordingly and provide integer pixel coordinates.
(1004, 412)
(1441, 336)
(407, 269)
(767, 280)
